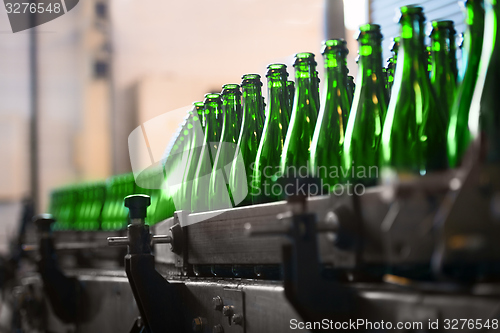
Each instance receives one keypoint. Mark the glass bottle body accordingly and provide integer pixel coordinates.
(268, 158)
(413, 136)
(360, 158)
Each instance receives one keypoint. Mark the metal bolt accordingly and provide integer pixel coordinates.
(218, 329)
(227, 310)
(217, 302)
(237, 319)
(197, 324)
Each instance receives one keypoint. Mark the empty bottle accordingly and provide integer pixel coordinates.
(458, 130)
(220, 196)
(444, 65)
(196, 143)
(413, 136)
(114, 214)
(391, 66)
(360, 158)
(351, 87)
(484, 116)
(248, 143)
(268, 158)
(290, 85)
(328, 138)
(201, 179)
(296, 152)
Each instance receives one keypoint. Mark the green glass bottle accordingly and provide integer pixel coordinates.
(151, 182)
(248, 142)
(484, 116)
(290, 85)
(351, 87)
(413, 136)
(360, 157)
(114, 214)
(384, 77)
(428, 53)
(175, 161)
(391, 66)
(201, 179)
(200, 110)
(89, 206)
(328, 138)
(460, 56)
(63, 207)
(444, 65)
(297, 149)
(55, 206)
(458, 131)
(196, 141)
(220, 196)
(273, 136)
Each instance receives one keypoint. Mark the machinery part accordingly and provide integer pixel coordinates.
(158, 300)
(66, 294)
(313, 297)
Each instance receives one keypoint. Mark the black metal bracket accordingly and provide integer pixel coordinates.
(314, 297)
(66, 294)
(158, 300)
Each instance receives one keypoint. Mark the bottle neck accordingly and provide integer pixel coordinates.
(440, 52)
(213, 117)
(473, 37)
(304, 79)
(335, 68)
(370, 60)
(231, 107)
(252, 99)
(277, 92)
(411, 44)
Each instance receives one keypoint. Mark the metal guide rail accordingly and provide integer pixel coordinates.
(403, 254)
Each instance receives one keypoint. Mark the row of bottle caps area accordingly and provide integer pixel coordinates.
(417, 115)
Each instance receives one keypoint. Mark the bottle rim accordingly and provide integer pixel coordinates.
(276, 68)
(251, 76)
(212, 96)
(443, 25)
(334, 44)
(250, 79)
(303, 57)
(230, 88)
(371, 29)
(410, 10)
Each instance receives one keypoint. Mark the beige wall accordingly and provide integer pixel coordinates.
(196, 46)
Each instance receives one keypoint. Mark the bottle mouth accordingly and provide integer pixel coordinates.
(395, 44)
(276, 68)
(334, 44)
(198, 105)
(212, 96)
(410, 10)
(369, 30)
(304, 57)
(443, 25)
(369, 27)
(251, 79)
(230, 88)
